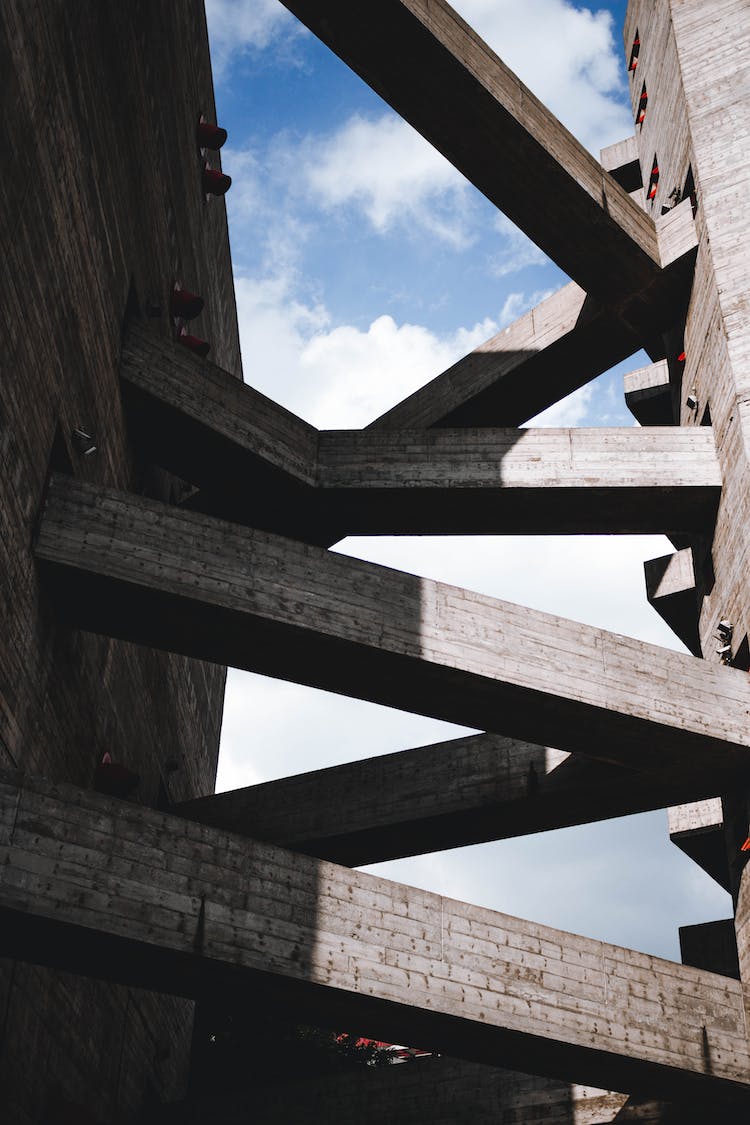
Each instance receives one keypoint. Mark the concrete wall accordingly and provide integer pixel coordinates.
(100, 199)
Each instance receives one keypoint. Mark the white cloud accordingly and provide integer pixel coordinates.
(389, 172)
(344, 376)
(569, 61)
(238, 26)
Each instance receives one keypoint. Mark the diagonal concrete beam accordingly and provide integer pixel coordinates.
(648, 394)
(126, 893)
(464, 791)
(263, 465)
(558, 346)
(435, 71)
(253, 459)
(671, 590)
(154, 574)
(192, 413)
(697, 828)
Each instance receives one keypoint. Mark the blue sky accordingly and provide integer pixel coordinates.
(365, 265)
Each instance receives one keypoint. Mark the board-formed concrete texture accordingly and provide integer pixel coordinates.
(131, 894)
(231, 441)
(101, 212)
(157, 575)
(465, 791)
(196, 537)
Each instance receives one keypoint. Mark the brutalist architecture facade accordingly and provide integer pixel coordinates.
(194, 536)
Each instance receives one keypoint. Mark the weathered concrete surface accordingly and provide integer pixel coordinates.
(697, 828)
(442, 1090)
(160, 576)
(100, 209)
(556, 347)
(113, 889)
(527, 481)
(711, 946)
(193, 416)
(671, 590)
(265, 466)
(465, 791)
(622, 162)
(648, 394)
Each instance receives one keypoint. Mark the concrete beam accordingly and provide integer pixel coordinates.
(248, 454)
(648, 394)
(531, 481)
(671, 590)
(120, 891)
(258, 463)
(456, 92)
(440, 1090)
(151, 573)
(711, 946)
(697, 829)
(549, 352)
(465, 791)
(623, 163)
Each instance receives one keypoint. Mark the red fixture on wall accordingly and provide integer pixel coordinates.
(216, 182)
(194, 344)
(211, 136)
(185, 304)
(114, 779)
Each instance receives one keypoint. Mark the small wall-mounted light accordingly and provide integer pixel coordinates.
(216, 182)
(184, 304)
(114, 779)
(692, 401)
(725, 652)
(725, 629)
(195, 344)
(84, 442)
(211, 136)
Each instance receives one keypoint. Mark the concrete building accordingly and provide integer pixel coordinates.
(161, 519)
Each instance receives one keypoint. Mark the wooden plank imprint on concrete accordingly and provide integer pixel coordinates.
(160, 576)
(266, 467)
(117, 890)
(464, 791)
(556, 347)
(526, 481)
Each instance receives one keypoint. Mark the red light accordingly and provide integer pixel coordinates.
(113, 779)
(216, 182)
(746, 846)
(195, 344)
(185, 304)
(681, 357)
(211, 136)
